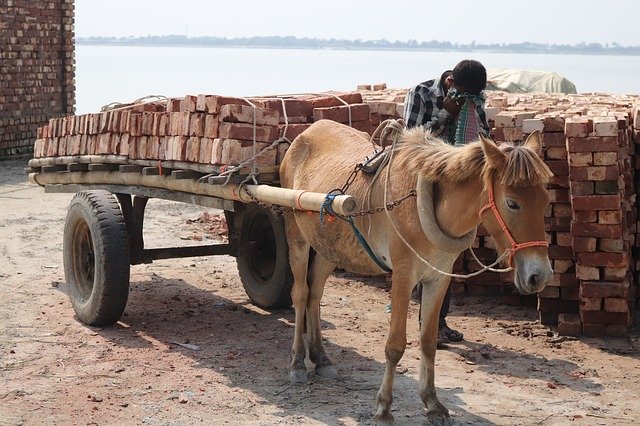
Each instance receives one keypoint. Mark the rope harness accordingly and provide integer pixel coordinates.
(514, 246)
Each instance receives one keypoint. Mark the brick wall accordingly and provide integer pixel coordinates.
(37, 69)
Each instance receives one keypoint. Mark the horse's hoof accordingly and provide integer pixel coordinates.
(327, 371)
(384, 418)
(439, 415)
(298, 377)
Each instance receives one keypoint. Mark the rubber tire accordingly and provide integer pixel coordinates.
(263, 258)
(96, 257)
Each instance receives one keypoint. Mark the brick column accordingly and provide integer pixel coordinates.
(598, 230)
(561, 296)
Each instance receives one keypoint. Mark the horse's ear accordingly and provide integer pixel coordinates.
(533, 142)
(494, 156)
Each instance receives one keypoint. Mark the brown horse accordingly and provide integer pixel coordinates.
(457, 189)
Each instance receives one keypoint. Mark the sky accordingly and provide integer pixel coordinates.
(462, 21)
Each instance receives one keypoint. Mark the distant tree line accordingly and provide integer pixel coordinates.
(332, 43)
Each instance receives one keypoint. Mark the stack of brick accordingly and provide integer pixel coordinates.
(588, 142)
(207, 129)
(37, 68)
(599, 169)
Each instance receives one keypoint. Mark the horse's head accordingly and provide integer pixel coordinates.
(515, 179)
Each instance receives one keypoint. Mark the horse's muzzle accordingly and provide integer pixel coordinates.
(533, 273)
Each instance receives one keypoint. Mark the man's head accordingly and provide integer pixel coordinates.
(468, 76)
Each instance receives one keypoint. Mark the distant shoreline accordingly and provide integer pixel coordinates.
(324, 44)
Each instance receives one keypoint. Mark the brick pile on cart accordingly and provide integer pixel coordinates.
(589, 142)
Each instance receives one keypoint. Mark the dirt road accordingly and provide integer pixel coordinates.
(191, 349)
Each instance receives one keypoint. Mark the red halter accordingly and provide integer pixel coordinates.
(514, 246)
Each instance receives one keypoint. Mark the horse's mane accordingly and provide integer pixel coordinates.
(419, 150)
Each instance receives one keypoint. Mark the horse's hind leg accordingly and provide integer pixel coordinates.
(432, 297)
(318, 274)
(299, 260)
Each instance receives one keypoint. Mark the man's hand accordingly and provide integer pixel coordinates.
(451, 106)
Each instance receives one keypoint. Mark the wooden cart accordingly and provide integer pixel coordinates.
(103, 234)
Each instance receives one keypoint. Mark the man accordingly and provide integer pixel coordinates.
(452, 107)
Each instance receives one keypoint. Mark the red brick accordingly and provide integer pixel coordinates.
(596, 202)
(559, 252)
(603, 317)
(141, 147)
(562, 209)
(359, 112)
(193, 149)
(604, 289)
(605, 126)
(585, 216)
(242, 131)
(211, 124)
(600, 173)
(215, 102)
(196, 125)
(245, 114)
(569, 293)
(569, 325)
(330, 99)
(233, 152)
(176, 148)
(609, 216)
(615, 274)
(587, 273)
(293, 130)
(549, 292)
(294, 107)
(558, 167)
(579, 229)
(616, 304)
(123, 149)
(206, 147)
(201, 103)
(553, 139)
(379, 107)
(152, 150)
(582, 188)
(73, 147)
(593, 144)
(605, 158)
(590, 303)
(188, 103)
(611, 245)
(611, 260)
(593, 330)
(104, 144)
(579, 159)
(173, 105)
(363, 126)
(556, 153)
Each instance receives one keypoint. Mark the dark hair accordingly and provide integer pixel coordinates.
(471, 75)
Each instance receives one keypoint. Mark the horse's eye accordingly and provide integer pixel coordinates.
(513, 205)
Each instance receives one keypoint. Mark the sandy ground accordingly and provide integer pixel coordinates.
(54, 370)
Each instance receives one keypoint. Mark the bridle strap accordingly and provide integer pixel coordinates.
(514, 246)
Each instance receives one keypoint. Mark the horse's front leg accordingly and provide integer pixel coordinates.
(317, 277)
(432, 296)
(299, 260)
(396, 342)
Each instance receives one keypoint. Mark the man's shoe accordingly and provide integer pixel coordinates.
(447, 335)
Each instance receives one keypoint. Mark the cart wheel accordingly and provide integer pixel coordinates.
(96, 257)
(263, 258)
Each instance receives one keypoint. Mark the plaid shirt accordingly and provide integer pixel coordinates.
(423, 106)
